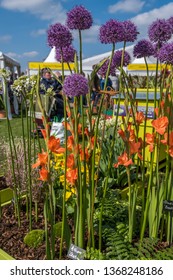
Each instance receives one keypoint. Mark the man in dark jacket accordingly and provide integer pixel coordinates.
(49, 82)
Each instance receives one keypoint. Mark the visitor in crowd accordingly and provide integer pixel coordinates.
(115, 83)
(95, 90)
(108, 87)
(48, 82)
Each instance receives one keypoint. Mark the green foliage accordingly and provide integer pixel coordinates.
(58, 231)
(34, 238)
(115, 210)
(94, 254)
(118, 248)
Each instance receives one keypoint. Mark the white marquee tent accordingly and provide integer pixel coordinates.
(9, 63)
(87, 63)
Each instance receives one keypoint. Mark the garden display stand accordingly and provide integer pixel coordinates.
(4, 256)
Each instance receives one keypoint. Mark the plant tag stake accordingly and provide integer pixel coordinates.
(168, 206)
(76, 253)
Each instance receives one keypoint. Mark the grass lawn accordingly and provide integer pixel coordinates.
(16, 126)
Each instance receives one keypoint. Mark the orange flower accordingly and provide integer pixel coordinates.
(139, 117)
(43, 131)
(70, 161)
(87, 155)
(70, 142)
(123, 160)
(54, 145)
(165, 140)
(134, 147)
(42, 160)
(122, 134)
(160, 124)
(171, 151)
(171, 139)
(150, 141)
(43, 174)
(79, 128)
(86, 131)
(71, 176)
(156, 110)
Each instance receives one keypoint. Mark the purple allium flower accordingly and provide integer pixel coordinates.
(104, 68)
(79, 18)
(157, 47)
(165, 54)
(111, 32)
(75, 85)
(170, 21)
(160, 31)
(118, 57)
(143, 48)
(130, 32)
(68, 54)
(59, 36)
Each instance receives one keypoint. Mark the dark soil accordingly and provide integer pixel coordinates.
(2, 183)
(12, 236)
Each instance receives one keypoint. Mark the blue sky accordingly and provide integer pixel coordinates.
(24, 23)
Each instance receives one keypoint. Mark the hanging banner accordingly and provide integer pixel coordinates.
(51, 65)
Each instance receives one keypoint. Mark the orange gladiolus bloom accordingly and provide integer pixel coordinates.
(171, 151)
(122, 134)
(43, 131)
(134, 147)
(160, 124)
(87, 155)
(71, 176)
(54, 145)
(70, 161)
(150, 141)
(156, 110)
(42, 160)
(139, 117)
(70, 142)
(79, 128)
(123, 160)
(43, 174)
(167, 141)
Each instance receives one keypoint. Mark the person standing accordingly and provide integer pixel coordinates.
(56, 108)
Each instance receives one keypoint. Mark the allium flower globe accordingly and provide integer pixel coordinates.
(68, 54)
(165, 54)
(111, 32)
(130, 32)
(79, 18)
(143, 48)
(59, 36)
(75, 85)
(118, 57)
(170, 21)
(160, 31)
(104, 68)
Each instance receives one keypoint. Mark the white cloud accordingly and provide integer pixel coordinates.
(5, 38)
(13, 55)
(88, 35)
(26, 54)
(38, 32)
(44, 9)
(30, 54)
(144, 20)
(21, 5)
(133, 6)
